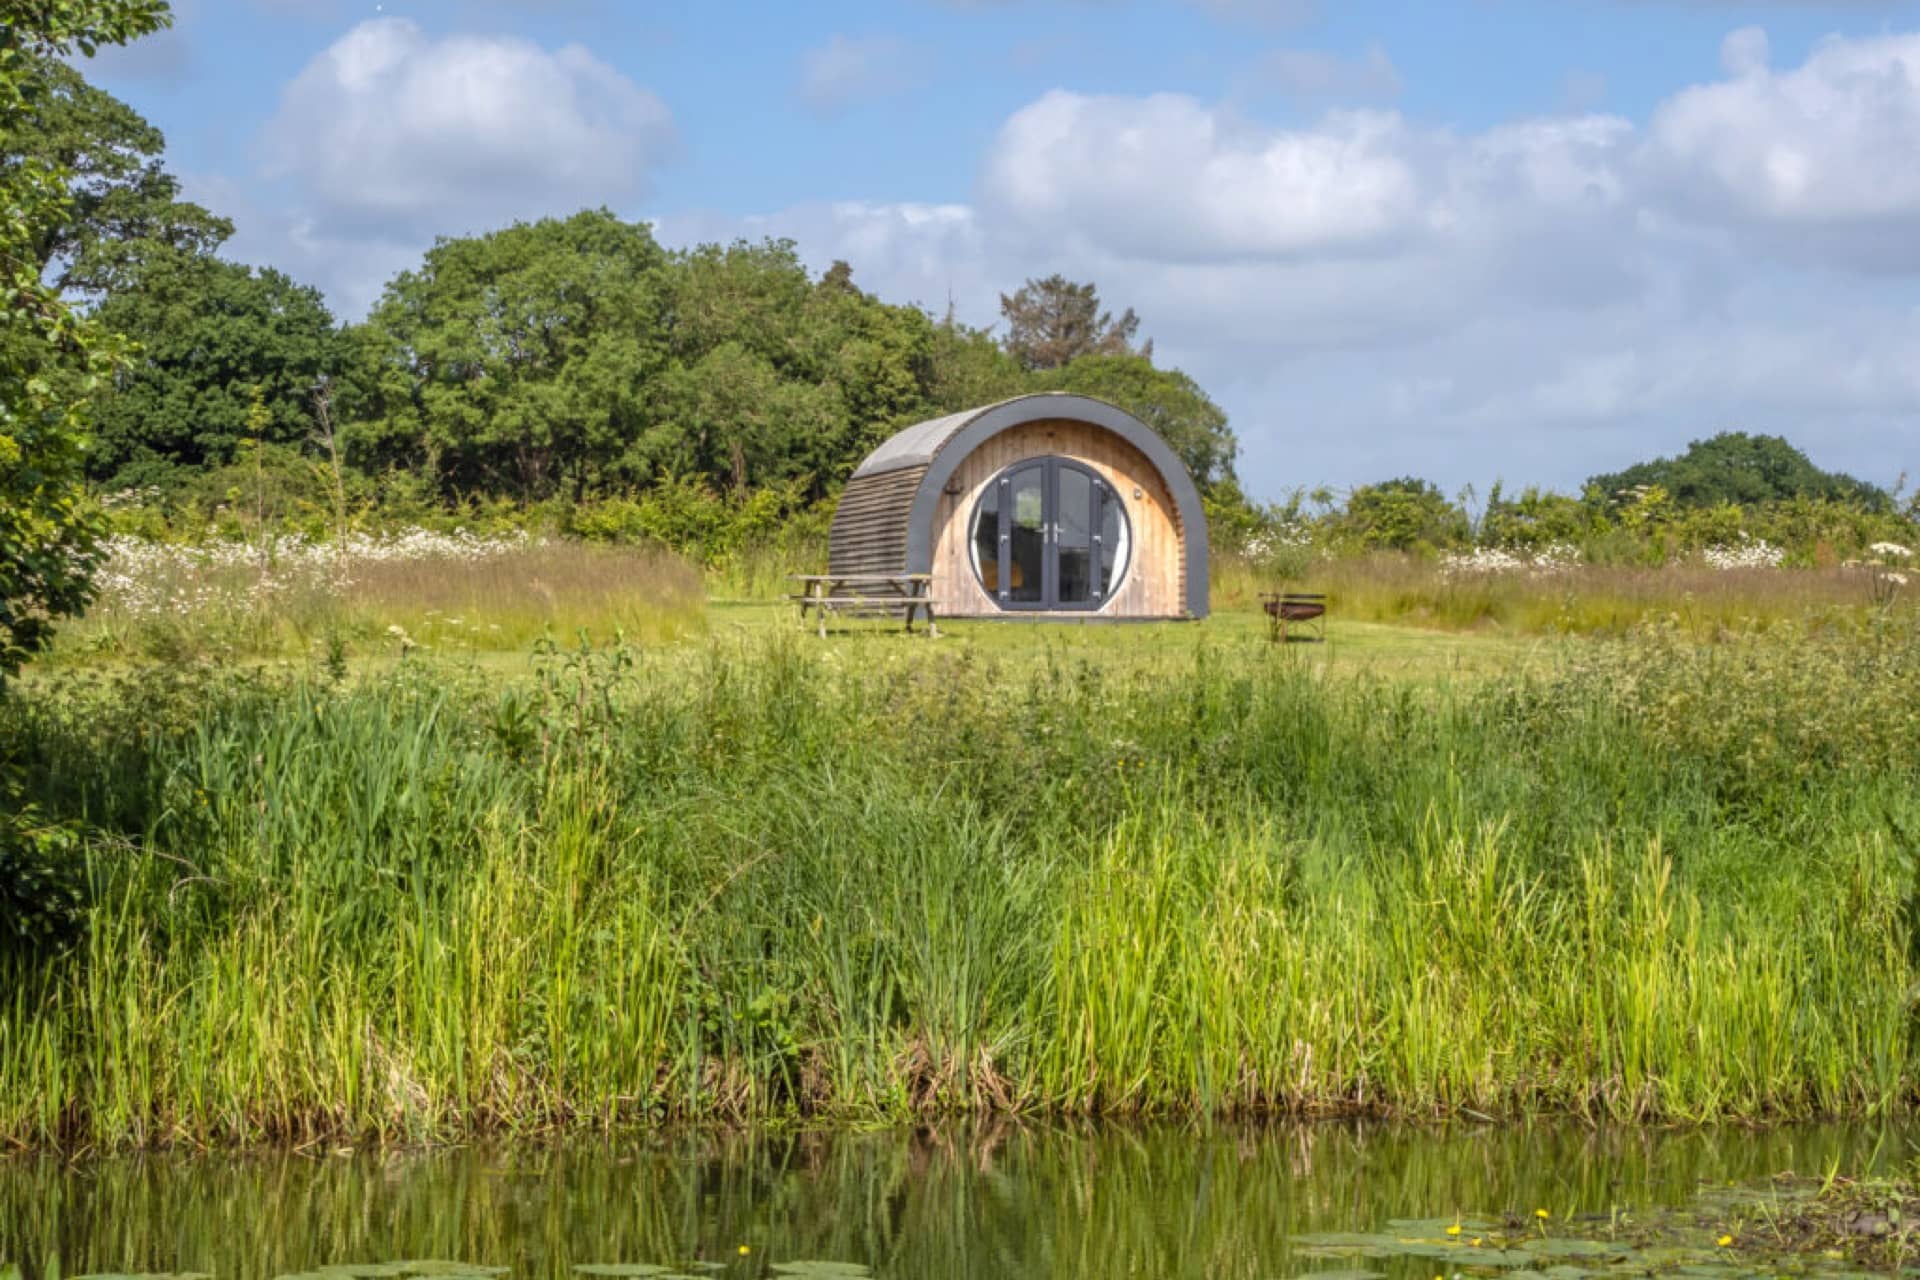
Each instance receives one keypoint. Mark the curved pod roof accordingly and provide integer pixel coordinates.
(941, 444)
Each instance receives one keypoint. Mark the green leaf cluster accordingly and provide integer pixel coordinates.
(51, 357)
(1735, 467)
(213, 335)
(1407, 514)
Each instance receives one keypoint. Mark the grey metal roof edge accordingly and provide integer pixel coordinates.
(977, 426)
(919, 442)
(915, 445)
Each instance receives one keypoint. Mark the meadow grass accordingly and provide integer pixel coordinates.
(300, 600)
(491, 598)
(761, 876)
(1582, 600)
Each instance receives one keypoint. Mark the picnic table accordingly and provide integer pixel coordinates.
(1285, 608)
(865, 595)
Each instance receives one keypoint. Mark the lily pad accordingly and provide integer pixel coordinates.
(1342, 1275)
(1439, 1227)
(823, 1270)
(622, 1269)
(1566, 1247)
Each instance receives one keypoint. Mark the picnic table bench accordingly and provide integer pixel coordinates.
(1288, 607)
(865, 595)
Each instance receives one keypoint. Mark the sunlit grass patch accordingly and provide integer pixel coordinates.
(1548, 595)
(448, 593)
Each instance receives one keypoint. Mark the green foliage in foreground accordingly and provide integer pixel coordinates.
(1664, 882)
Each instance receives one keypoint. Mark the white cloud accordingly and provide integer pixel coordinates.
(1166, 177)
(392, 132)
(1825, 151)
(1745, 52)
(845, 69)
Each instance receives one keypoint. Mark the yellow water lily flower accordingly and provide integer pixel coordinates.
(1542, 1214)
(1454, 1230)
(1725, 1241)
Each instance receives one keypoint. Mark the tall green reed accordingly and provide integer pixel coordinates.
(763, 878)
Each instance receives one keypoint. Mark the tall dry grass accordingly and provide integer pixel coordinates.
(415, 591)
(1580, 600)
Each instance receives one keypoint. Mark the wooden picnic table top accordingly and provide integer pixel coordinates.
(861, 577)
(867, 602)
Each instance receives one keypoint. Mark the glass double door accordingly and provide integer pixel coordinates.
(1044, 535)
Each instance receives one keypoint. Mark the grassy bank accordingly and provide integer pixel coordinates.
(762, 876)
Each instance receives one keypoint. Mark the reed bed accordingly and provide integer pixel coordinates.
(757, 878)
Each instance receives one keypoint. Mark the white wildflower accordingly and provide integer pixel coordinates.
(150, 581)
(1890, 550)
(1484, 562)
(1277, 537)
(1748, 553)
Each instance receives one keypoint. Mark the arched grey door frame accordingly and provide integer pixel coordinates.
(1051, 597)
(1039, 408)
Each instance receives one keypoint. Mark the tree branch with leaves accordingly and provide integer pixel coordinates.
(51, 357)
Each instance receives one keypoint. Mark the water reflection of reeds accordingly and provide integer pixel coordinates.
(999, 1201)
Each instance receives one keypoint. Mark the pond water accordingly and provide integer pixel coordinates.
(1006, 1201)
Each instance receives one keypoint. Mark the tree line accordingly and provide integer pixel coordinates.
(1722, 491)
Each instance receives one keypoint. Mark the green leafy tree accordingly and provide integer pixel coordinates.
(1053, 322)
(49, 356)
(968, 368)
(514, 362)
(1734, 467)
(1406, 514)
(1538, 518)
(1165, 399)
(122, 203)
(212, 336)
(576, 355)
(838, 369)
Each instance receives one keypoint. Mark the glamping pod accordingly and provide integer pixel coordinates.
(1048, 504)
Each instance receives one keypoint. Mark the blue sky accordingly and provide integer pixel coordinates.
(1473, 241)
